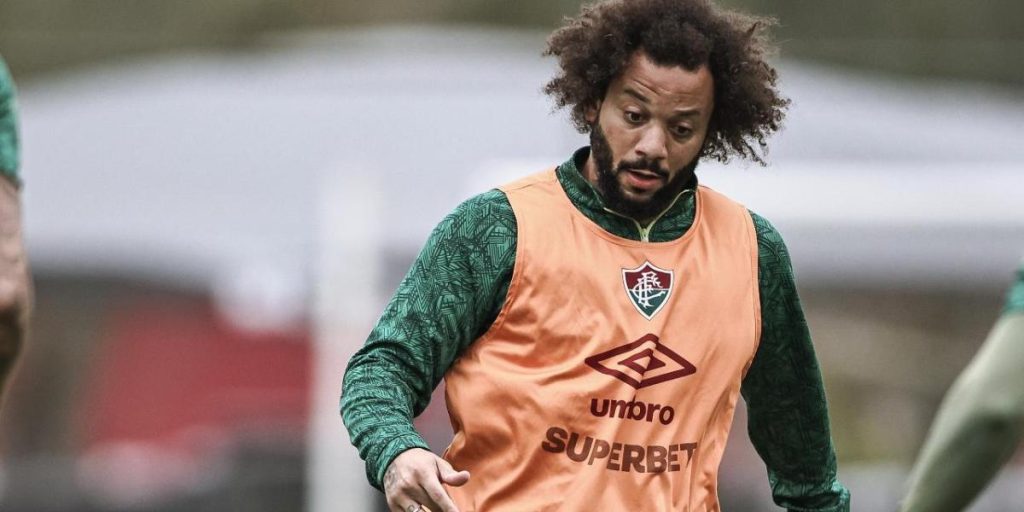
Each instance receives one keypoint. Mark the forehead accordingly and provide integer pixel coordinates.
(667, 85)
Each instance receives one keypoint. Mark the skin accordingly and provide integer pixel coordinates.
(414, 478)
(15, 285)
(978, 427)
(15, 288)
(654, 120)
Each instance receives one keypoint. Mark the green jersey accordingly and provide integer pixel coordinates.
(978, 427)
(1015, 299)
(457, 286)
(9, 157)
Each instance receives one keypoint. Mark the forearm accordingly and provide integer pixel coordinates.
(15, 287)
(390, 379)
(978, 426)
(12, 336)
(377, 410)
(788, 424)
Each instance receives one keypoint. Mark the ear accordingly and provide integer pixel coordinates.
(592, 112)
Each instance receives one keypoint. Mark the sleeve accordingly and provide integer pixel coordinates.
(450, 296)
(787, 412)
(978, 427)
(9, 155)
(1015, 298)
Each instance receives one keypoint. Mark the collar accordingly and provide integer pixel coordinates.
(671, 224)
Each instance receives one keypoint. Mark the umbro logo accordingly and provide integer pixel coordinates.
(642, 363)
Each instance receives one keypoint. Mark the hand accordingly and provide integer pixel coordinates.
(414, 478)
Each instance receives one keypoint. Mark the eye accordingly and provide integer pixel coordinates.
(633, 117)
(682, 131)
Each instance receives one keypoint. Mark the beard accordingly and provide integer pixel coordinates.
(611, 189)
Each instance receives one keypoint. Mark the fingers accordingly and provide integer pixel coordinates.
(429, 497)
(439, 501)
(423, 500)
(413, 481)
(408, 498)
(448, 474)
(412, 507)
(406, 504)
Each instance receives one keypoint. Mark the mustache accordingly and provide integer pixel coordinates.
(642, 165)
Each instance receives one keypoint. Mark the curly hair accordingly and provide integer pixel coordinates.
(594, 48)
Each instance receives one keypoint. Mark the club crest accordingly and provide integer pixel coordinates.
(648, 288)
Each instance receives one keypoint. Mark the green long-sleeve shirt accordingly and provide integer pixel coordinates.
(8, 126)
(981, 421)
(457, 286)
(1015, 297)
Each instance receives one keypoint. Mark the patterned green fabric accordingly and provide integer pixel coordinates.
(449, 297)
(8, 125)
(1015, 299)
(787, 415)
(458, 284)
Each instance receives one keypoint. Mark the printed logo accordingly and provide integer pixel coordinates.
(648, 288)
(642, 363)
(618, 456)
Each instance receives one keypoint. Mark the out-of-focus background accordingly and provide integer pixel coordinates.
(220, 196)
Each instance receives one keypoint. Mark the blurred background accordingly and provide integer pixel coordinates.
(220, 197)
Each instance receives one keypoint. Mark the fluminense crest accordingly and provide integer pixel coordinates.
(648, 288)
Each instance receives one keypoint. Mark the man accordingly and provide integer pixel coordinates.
(15, 291)
(596, 323)
(980, 422)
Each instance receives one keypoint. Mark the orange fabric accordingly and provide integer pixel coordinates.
(574, 400)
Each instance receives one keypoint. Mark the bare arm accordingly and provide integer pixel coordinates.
(978, 426)
(15, 287)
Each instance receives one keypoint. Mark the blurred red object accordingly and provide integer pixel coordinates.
(174, 373)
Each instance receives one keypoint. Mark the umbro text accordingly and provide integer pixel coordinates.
(633, 410)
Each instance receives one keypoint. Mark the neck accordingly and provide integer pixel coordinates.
(589, 171)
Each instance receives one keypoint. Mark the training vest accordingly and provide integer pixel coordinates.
(609, 379)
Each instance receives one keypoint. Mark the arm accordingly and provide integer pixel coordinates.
(450, 296)
(787, 413)
(15, 288)
(980, 422)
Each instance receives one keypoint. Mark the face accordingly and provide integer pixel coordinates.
(647, 136)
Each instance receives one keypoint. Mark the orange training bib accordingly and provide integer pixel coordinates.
(609, 379)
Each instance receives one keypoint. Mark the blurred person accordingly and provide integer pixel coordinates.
(596, 323)
(15, 289)
(980, 422)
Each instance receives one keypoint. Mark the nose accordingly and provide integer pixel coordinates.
(652, 143)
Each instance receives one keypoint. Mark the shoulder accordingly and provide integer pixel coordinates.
(538, 179)
(489, 208)
(6, 92)
(6, 83)
(1015, 298)
(484, 219)
(8, 126)
(769, 240)
(774, 267)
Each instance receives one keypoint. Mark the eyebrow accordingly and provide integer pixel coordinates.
(687, 112)
(636, 95)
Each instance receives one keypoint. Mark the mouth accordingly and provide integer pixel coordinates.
(642, 179)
